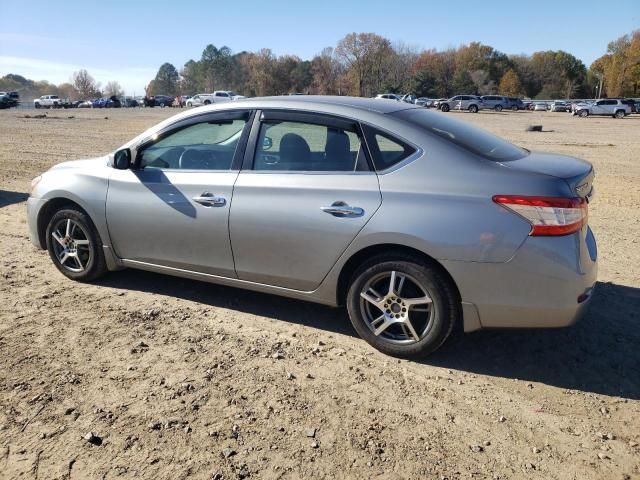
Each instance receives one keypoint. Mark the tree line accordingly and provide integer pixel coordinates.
(364, 64)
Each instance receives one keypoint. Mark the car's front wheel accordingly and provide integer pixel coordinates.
(402, 306)
(583, 113)
(444, 108)
(74, 245)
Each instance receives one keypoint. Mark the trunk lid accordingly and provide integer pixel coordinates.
(577, 173)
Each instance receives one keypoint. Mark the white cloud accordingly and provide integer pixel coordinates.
(132, 79)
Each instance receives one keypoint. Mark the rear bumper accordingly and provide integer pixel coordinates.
(548, 283)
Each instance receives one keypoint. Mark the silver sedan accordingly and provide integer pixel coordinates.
(415, 221)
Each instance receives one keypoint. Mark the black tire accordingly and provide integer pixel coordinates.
(92, 255)
(583, 113)
(444, 108)
(473, 108)
(445, 305)
(207, 102)
(498, 108)
(619, 114)
(38, 105)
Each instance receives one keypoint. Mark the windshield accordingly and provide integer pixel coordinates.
(470, 138)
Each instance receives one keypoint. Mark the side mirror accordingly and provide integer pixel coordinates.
(267, 143)
(122, 159)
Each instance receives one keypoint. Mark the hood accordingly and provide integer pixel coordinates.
(89, 163)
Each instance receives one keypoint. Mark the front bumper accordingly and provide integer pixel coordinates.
(33, 210)
(548, 283)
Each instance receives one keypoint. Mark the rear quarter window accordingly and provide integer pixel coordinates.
(386, 149)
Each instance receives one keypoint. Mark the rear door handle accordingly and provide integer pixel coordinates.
(210, 200)
(341, 209)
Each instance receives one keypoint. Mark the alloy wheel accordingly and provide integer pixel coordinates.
(71, 245)
(397, 308)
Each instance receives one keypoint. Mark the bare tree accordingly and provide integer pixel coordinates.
(113, 88)
(85, 84)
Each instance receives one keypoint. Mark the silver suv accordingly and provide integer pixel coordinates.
(471, 103)
(497, 102)
(610, 107)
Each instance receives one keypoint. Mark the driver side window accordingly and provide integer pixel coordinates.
(209, 145)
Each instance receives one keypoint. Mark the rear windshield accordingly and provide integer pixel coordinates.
(470, 138)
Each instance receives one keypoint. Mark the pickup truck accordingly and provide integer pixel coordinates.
(48, 101)
(219, 96)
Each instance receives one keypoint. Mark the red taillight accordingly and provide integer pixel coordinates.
(548, 216)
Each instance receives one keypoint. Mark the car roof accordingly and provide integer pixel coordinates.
(364, 109)
(320, 103)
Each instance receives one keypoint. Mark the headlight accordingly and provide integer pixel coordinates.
(34, 183)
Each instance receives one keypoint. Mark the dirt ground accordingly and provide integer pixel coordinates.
(180, 379)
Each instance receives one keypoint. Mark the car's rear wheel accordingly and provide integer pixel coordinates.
(619, 114)
(473, 108)
(74, 245)
(402, 306)
(498, 108)
(583, 113)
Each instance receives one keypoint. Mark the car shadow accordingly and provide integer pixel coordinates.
(599, 354)
(160, 185)
(254, 303)
(9, 198)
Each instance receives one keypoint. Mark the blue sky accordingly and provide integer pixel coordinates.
(128, 40)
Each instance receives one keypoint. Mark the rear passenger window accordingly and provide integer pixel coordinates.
(386, 149)
(298, 146)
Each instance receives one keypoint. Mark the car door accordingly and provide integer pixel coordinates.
(172, 207)
(304, 193)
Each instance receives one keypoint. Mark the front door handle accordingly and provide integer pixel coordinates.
(210, 200)
(341, 209)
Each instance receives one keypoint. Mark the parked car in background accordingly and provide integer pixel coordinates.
(496, 102)
(12, 98)
(200, 99)
(388, 96)
(540, 107)
(219, 96)
(47, 101)
(107, 102)
(631, 102)
(608, 107)
(424, 102)
(130, 102)
(163, 100)
(516, 103)
(559, 106)
(220, 195)
(471, 103)
(5, 102)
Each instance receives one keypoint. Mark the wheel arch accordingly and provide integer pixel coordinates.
(364, 254)
(49, 209)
